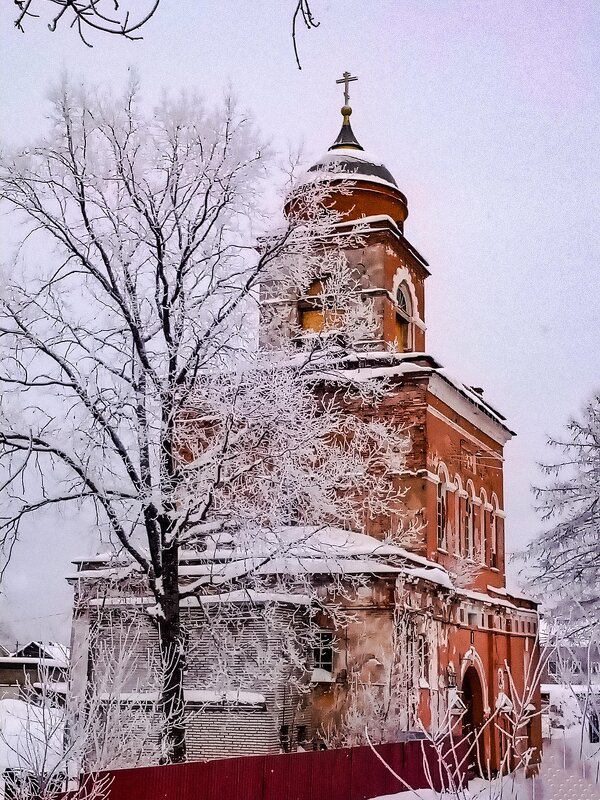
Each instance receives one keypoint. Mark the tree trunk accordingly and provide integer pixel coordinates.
(173, 656)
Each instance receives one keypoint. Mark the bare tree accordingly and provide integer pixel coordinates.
(131, 382)
(49, 737)
(564, 558)
(120, 17)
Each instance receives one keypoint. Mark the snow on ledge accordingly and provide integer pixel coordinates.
(320, 675)
(200, 696)
(246, 596)
(434, 575)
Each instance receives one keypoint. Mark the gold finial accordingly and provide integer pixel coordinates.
(346, 110)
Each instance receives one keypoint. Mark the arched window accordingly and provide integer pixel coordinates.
(484, 518)
(494, 560)
(442, 511)
(458, 515)
(469, 527)
(404, 312)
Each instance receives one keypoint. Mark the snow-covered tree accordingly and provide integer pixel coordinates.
(131, 380)
(564, 557)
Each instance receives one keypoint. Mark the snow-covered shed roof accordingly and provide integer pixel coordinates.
(44, 651)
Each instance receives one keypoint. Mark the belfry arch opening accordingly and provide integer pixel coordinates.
(404, 313)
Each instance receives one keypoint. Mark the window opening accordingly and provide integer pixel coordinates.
(302, 735)
(403, 317)
(485, 533)
(424, 657)
(494, 540)
(323, 651)
(284, 738)
(469, 530)
(442, 514)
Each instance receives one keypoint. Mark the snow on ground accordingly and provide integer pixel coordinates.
(511, 787)
(31, 737)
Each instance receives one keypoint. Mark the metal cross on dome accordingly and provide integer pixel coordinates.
(345, 79)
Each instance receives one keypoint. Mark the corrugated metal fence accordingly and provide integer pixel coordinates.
(353, 773)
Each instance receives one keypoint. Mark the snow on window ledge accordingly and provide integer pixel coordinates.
(321, 676)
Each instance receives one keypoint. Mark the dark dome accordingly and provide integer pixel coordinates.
(355, 162)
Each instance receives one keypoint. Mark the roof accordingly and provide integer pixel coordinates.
(44, 651)
(354, 163)
(347, 155)
(346, 137)
(368, 365)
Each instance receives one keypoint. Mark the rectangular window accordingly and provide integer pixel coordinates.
(301, 735)
(323, 651)
(595, 667)
(552, 668)
(473, 619)
(424, 658)
(576, 667)
(284, 738)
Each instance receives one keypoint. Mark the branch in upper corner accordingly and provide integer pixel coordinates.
(303, 10)
(85, 15)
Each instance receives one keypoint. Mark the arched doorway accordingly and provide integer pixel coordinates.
(472, 721)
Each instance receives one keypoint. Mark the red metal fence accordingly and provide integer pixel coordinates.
(353, 773)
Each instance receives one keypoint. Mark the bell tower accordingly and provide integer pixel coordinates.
(387, 267)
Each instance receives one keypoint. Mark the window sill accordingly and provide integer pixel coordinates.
(443, 550)
(321, 676)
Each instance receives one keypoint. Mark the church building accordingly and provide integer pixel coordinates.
(486, 652)
(432, 638)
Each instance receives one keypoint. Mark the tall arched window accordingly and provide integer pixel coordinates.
(494, 560)
(404, 313)
(484, 518)
(442, 511)
(469, 527)
(458, 517)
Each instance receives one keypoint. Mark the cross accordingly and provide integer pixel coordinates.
(345, 79)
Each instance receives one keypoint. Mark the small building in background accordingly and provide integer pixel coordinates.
(25, 671)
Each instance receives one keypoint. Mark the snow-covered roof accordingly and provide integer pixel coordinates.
(352, 163)
(482, 597)
(432, 574)
(48, 651)
(292, 551)
(513, 593)
(368, 365)
(31, 660)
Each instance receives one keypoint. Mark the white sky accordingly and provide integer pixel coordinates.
(486, 112)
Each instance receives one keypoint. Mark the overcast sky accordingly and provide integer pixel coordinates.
(487, 114)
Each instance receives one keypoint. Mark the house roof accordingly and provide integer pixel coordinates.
(44, 652)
